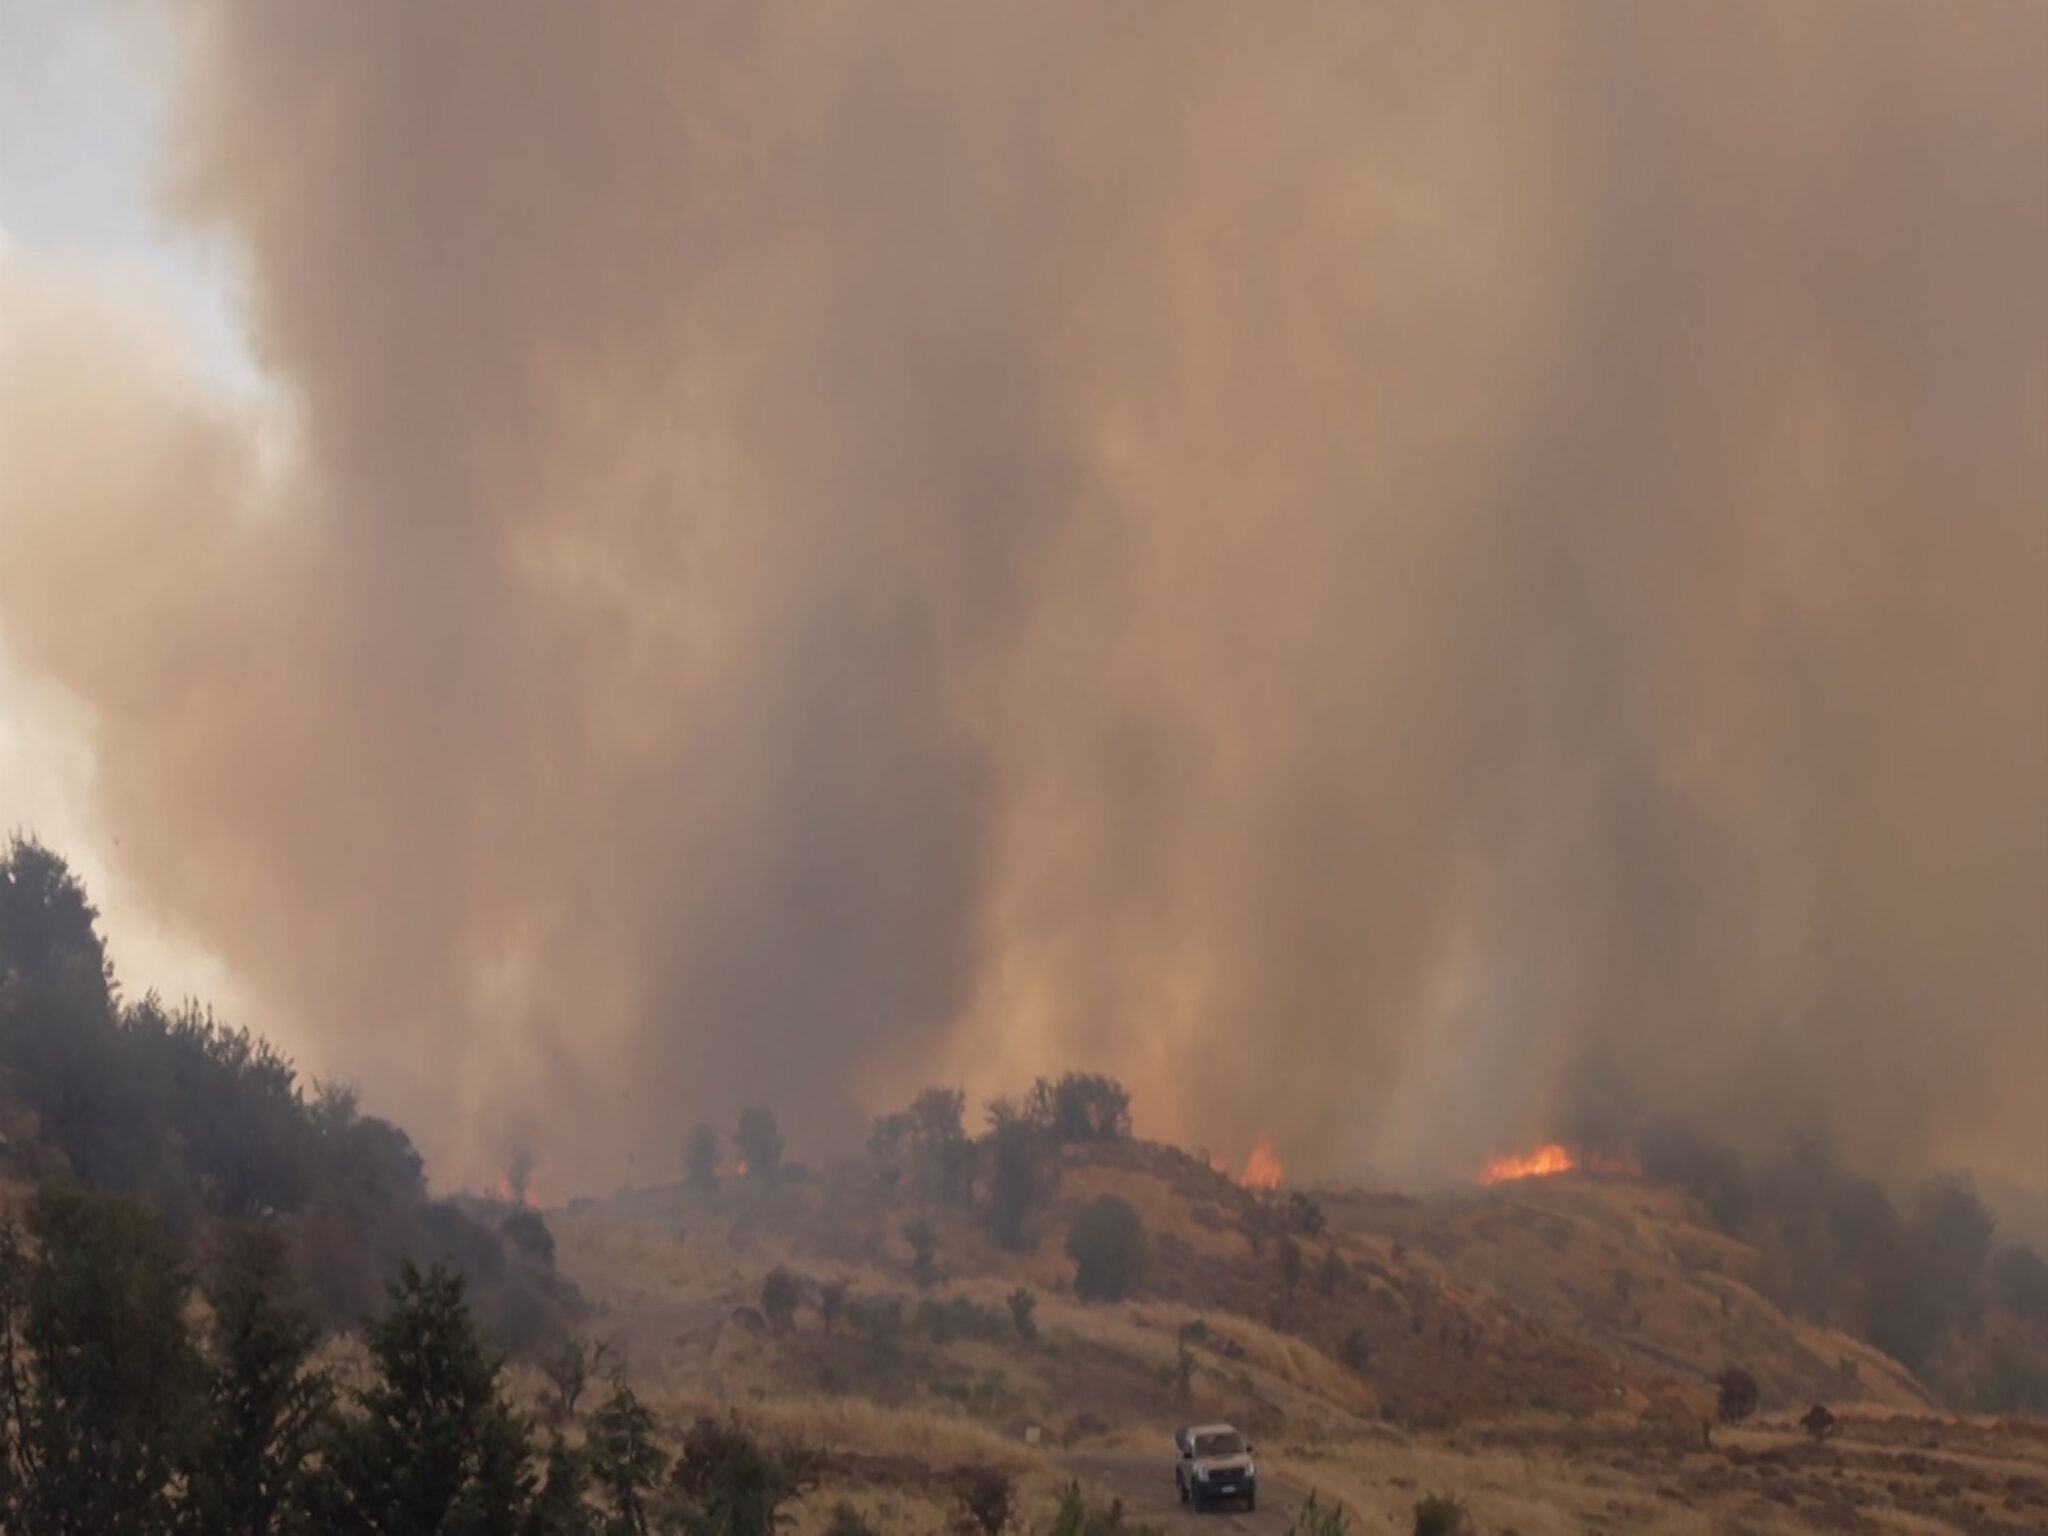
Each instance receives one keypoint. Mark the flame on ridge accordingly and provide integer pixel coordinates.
(1262, 1169)
(1550, 1160)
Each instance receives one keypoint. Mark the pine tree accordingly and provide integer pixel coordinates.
(625, 1463)
(267, 1406)
(434, 1449)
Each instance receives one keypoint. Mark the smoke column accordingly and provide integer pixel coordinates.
(1338, 562)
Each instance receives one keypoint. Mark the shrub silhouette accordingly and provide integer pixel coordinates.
(1738, 1394)
(1305, 1216)
(832, 1303)
(759, 1141)
(848, 1521)
(1107, 1245)
(988, 1499)
(1819, 1422)
(1080, 1106)
(1023, 1304)
(526, 1231)
(1020, 1176)
(729, 1484)
(923, 1238)
(1441, 1515)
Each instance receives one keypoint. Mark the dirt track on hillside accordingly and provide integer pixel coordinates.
(1145, 1484)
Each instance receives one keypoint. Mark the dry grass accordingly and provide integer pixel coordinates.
(1533, 1496)
(670, 1284)
(1291, 1373)
(855, 1426)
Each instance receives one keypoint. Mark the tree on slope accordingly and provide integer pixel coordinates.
(625, 1462)
(267, 1406)
(434, 1449)
(103, 1387)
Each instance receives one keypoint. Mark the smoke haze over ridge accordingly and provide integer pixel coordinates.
(1335, 563)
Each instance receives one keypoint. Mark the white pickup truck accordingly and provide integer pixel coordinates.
(1214, 1465)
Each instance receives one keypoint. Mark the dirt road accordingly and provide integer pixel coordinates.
(1145, 1484)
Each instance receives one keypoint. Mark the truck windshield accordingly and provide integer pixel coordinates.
(1219, 1445)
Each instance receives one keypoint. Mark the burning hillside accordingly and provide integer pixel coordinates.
(1549, 1161)
(1262, 1167)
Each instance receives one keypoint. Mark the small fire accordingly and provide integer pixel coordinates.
(1545, 1162)
(1262, 1170)
(509, 1193)
(1550, 1160)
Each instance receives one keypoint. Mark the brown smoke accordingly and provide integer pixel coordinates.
(1337, 561)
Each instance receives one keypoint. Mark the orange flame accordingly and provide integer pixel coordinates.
(1262, 1170)
(1550, 1160)
(511, 1193)
(1545, 1162)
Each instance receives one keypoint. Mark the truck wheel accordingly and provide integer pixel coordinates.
(1251, 1502)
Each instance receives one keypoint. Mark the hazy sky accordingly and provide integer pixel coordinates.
(81, 127)
(1362, 566)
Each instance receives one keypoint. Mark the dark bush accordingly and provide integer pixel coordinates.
(1023, 1307)
(1107, 1245)
(988, 1500)
(1357, 1351)
(1739, 1394)
(832, 1303)
(1305, 1216)
(527, 1232)
(1441, 1515)
(1080, 1106)
(731, 1485)
(1021, 1174)
(923, 1238)
(848, 1521)
(759, 1141)
(1331, 1273)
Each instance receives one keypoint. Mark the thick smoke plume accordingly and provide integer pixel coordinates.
(1338, 561)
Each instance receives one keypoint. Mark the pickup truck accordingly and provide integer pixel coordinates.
(1214, 1465)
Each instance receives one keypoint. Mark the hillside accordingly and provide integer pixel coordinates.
(1545, 1349)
